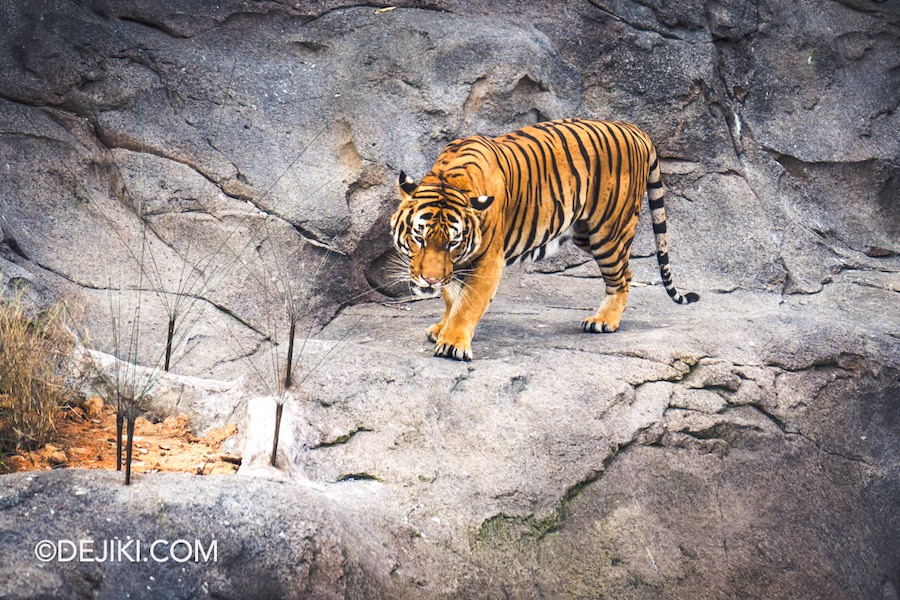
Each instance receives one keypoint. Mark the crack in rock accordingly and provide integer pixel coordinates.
(338, 439)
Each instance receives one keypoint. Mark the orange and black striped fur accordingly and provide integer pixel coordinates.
(491, 202)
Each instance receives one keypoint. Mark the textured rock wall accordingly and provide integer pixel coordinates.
(744, 446)
(776, 123)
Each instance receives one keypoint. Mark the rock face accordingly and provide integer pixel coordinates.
(233, 162)
(693, 454)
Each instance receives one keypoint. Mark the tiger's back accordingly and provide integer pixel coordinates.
(567, 172)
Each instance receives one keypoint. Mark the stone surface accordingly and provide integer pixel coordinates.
(192, 141)
(232, 163)
(699, 451)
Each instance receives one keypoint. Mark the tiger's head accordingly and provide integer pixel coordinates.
(436, 227)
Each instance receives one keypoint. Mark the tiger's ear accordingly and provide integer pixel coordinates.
(407, 186)
(481, 202)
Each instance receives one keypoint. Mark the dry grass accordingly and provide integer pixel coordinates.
(35, 353)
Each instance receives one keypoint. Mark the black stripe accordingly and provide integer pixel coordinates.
(513, 226)
(596, 182)
(663, 258)
(531, 202)
(657, 204)
(659, 228)
(654, 185)
(559, 132)
(431, 203)
(621, 252)
(612, 203)
(604, 134)
(597, 247)
(560, 196)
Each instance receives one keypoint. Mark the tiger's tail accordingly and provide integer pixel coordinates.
(655, 195)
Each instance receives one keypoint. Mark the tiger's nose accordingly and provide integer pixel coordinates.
(430, 281)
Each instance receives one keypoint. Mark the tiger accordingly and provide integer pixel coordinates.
(492, 202)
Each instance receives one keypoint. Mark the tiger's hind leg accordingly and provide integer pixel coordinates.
(609, 315)
(611, 250)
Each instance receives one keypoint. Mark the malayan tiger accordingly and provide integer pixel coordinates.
(491, 202)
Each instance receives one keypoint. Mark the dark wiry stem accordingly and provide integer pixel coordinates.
(128, 451)
(288, 372)
(277, 429)
(170, 335)
(120, 422)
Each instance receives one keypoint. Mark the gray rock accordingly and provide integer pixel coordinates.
(696, 451)
(250, 540)
(242, 158)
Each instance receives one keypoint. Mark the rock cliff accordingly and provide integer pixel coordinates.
(239, 153)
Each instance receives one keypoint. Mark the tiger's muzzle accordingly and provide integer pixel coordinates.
(431, 283)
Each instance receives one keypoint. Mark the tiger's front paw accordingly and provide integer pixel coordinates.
(434, 332)
(451, 351)
(457, 349)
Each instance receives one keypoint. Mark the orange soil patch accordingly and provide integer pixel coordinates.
(86, 439)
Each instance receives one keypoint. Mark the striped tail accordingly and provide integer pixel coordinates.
(655, 195)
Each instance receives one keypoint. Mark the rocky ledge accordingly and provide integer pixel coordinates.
(744, 446)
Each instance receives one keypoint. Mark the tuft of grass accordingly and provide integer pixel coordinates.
(35, 355)
(6, 444)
